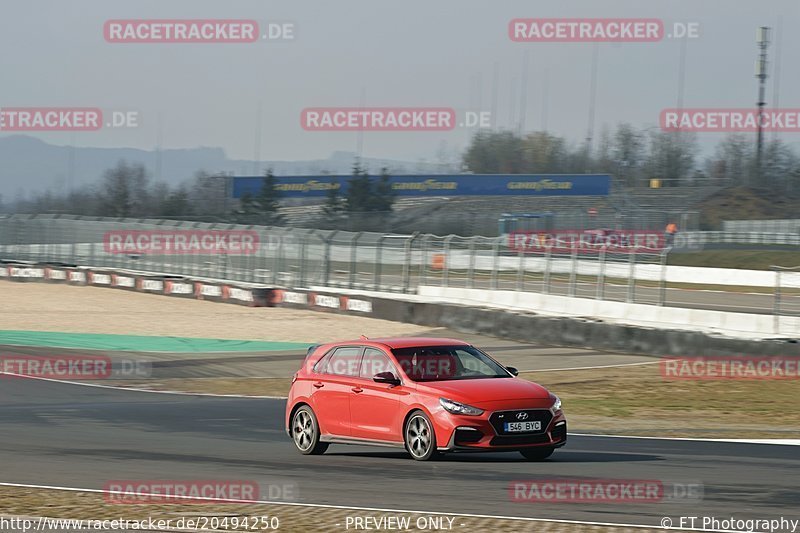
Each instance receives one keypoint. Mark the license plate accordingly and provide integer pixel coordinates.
(514, 427)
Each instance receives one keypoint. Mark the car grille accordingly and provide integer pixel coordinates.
(501, 417)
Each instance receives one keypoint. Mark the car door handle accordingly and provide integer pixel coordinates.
(357, 389)
(319, 384)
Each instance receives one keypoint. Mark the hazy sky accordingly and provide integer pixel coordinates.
(410, 53)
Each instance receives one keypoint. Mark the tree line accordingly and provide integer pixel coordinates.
(126, 191)
(632, 156)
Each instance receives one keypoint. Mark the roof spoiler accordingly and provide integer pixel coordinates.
(312, 348)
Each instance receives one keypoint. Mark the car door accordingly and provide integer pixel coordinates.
(375, 407)
(332, 388)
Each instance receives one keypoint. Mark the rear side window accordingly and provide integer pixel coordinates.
(344, 361)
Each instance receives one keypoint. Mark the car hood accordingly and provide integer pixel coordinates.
(477, 391)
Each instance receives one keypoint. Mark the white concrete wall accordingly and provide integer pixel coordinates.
(730, 324)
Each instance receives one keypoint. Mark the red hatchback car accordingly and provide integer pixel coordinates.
(423, 394)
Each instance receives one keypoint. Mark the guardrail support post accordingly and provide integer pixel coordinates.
(662, 282)
(776, 311)
(326, 258)
(407, 261)
(378, 259)
(601, 276)
(631, 277)
(446, 270)
(471, 265)
(423, 263)
(546, 274)
(495, 262)
(303, 245)
(573, 273)
(353, 258)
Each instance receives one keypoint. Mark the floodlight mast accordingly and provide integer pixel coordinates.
(762, 40)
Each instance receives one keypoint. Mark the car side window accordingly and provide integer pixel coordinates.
(375, 362)
(319, 368)
(344, 361)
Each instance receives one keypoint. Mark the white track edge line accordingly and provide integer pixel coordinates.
(621, 365)
(789, 442)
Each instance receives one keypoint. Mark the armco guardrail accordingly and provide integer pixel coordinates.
(763, 226)
(297, 258)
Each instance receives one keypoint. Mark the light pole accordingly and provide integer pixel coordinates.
(762, 39)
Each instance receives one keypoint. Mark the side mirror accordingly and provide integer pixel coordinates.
(513, 370)
(386, 377)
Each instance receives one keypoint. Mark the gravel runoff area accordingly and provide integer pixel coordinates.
(34, 503)
(64, 308)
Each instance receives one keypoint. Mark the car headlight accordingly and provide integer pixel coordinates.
(459, 408)
(556, 405)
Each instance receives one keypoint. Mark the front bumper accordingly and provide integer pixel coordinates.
(485, 433)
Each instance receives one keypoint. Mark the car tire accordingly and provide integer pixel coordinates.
(537, 454)
(305, 432)
(419, 437)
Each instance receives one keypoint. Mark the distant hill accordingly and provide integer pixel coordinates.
(746, 203)
(29, 165)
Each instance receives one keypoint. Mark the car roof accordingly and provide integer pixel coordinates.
(407, 342)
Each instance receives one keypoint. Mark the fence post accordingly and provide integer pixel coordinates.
(495, 262)
(252, 260)
(423, 263)
(776, 310)
(73, 249)
(546, 276)
(601, 276)
(326, 258)
(407, 261)
(573, 273)
(303, 245)
(662, 289)
(521, 271)
(276, 261)
(353, 258)
(446, 271)
(378, 260)
(471, 265)
(631, 277)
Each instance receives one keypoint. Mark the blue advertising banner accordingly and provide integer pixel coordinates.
(441, 185)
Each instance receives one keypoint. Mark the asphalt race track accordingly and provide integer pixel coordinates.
(59, 434)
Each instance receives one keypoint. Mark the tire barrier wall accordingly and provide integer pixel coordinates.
(182, 287)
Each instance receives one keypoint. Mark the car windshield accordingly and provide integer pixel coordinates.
(446, 363)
